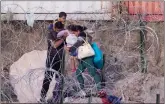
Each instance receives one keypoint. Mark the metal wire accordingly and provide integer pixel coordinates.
(115, 39)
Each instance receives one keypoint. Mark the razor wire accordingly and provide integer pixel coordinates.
(115, 39)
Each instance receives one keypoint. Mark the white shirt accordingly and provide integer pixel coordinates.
(71, 39)
(61, 33)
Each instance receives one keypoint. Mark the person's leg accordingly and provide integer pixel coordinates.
(50, 64)
(56, 91)
(46, 82)
(58, 79)
(92, 71)
(102, 73)
(73, 64)
(79, 74)
(57, 67)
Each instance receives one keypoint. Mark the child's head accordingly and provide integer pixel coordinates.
(62, 16)
(70, 29)
(59, 26)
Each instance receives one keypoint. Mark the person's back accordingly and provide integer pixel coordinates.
(54, 57)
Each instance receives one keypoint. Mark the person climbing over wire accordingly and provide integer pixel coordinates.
(85, 62)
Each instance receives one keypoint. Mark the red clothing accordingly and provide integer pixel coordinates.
(105, 101)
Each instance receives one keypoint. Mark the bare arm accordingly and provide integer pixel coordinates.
(79, 43)
(57, 43)
(76, 45)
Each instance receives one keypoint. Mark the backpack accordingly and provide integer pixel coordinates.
(98, 57)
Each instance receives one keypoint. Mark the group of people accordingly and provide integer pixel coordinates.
(69, 39)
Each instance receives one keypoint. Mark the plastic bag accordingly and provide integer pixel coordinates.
(30, 19)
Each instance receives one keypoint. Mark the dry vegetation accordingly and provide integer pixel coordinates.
(120, 46)
(18, 38)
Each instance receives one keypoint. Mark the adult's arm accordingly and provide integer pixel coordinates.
(77, 44)
(55, 42)
(80, 42)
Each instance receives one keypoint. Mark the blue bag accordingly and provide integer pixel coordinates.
(114, 99)
(98, 58)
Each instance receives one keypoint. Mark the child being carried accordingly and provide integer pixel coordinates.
(71, 39)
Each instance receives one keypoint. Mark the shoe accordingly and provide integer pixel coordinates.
(53, 101)
(42, 100)
(73, 70)
(50, 101)
(102, 94)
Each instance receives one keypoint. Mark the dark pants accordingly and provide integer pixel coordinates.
(55, 65)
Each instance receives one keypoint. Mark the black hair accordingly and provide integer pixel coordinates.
(73, 27)
(69, 27)
(81, 28)
(59, 25)
(77, 28)
(61, 14)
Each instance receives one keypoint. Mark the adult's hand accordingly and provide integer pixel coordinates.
(65, 35)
